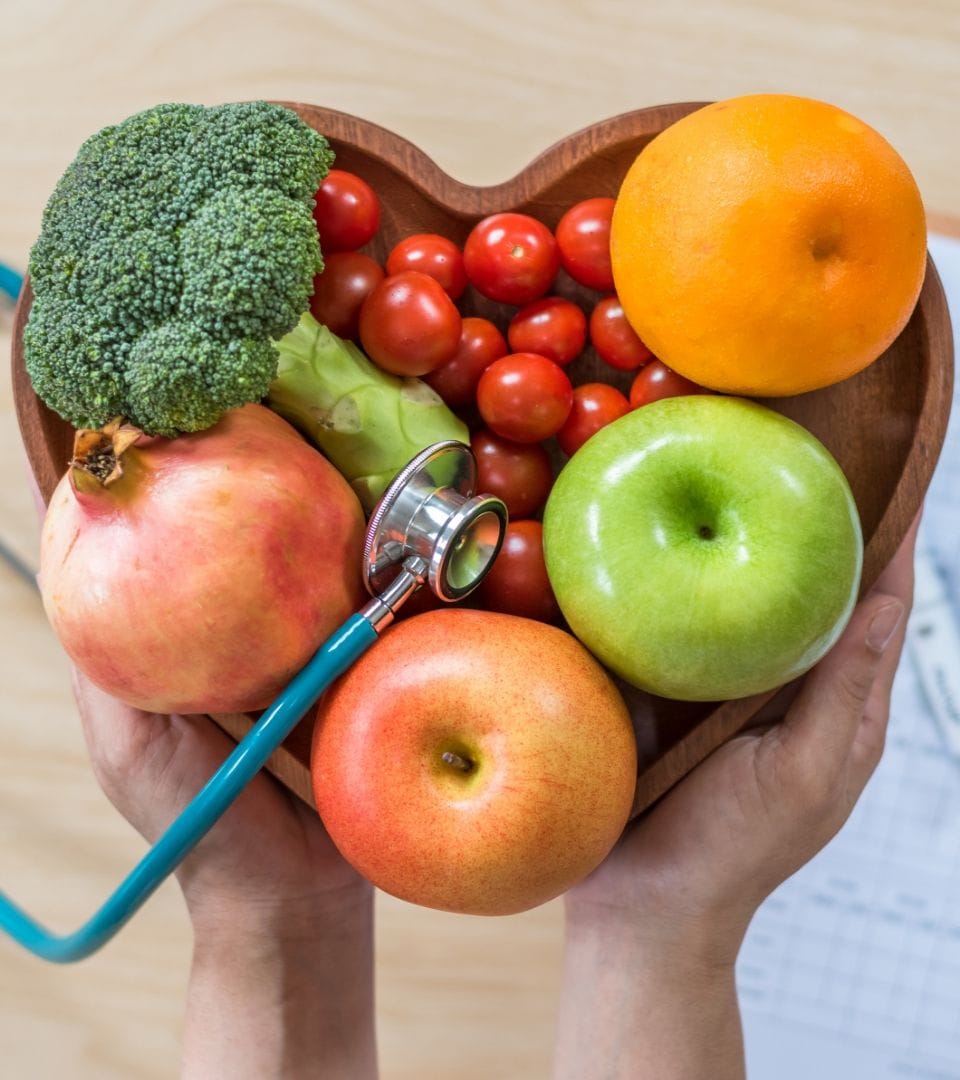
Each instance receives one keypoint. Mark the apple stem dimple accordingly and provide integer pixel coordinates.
(705, 532)
(448, 757)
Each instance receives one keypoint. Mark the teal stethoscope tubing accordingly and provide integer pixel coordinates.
(336, 654)
(10, 282)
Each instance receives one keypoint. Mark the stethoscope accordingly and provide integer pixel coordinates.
(429, 526)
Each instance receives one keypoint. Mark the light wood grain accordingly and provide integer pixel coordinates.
(481, 88)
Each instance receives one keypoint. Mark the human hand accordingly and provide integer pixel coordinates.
(282, 974)
(764, 803)
(282, 978)
(658, 925)
(268, 853)
(267, 857)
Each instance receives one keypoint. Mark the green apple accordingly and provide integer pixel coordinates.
(704, 548)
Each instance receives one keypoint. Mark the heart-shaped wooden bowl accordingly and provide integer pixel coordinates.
(885, 426)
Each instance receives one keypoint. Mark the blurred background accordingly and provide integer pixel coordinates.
(482, 88)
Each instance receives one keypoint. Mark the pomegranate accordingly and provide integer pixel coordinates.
(198, 574)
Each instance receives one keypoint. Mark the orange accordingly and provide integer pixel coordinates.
(768, 245)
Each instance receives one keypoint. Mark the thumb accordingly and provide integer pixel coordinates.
(823, 721)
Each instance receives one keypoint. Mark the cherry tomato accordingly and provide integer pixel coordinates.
(553, 327)
(517, 583)
(347, 212)
(347, 280)
(594, 406)
(408, 324)
(434, 255)
(518, 474)
(657, 381)
(583, 235)
(524, 397)
(614, 338)
(511, 258)
(480, 344)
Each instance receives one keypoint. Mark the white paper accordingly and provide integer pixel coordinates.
(851, 970)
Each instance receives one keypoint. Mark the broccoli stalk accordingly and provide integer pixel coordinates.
(368, 423)
(175, 248)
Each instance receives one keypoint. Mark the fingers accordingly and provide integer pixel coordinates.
(843, 703)
(150, 765)
(820, 728)
(123, 744)
(776, 708)
(896, 580)
(112, 729)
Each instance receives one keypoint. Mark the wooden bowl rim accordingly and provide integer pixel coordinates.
(471, 201)
(463, 198)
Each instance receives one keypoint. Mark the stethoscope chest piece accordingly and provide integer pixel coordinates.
(431, 523)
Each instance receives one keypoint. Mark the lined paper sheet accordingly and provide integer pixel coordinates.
(851, 969)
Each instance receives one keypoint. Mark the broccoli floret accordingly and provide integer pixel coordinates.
(89, 384)
(130, 281)
(197, 369)
(243, 257)
(175, 249)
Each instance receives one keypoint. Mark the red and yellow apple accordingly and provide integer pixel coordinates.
(474, 762)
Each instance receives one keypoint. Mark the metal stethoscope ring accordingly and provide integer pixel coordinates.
(428, 526)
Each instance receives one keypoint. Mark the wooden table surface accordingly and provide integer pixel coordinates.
(482, 88)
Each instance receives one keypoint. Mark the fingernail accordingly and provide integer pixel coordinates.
(883, 626)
